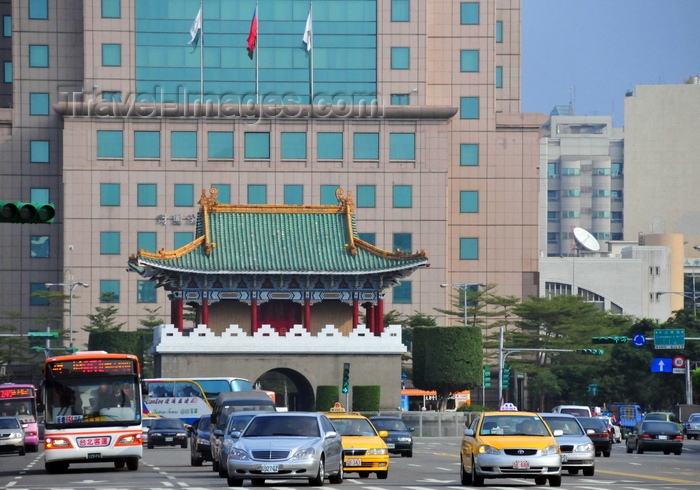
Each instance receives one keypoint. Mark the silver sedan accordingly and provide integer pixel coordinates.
(577, 449)
(285, 446)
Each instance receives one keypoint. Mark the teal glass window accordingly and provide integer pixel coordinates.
(36, 300)
(6, 26)
(402, 146)
(39, 246)
(183, 238)
(109, 242)
(468, 249)
(147, 240)
(469, 155)
(328, 195)
(111, 55)
(220, 144)
(370, 238)
(38, 9)
(111, 9)
(469, 201)
(402, 293)
(183, 144)
(400, 99)
(403, 242)
(366, 196)
(469, 13)
(39, 104)
(499, 77)
(224, 196)
(110, 194)
(400, 58)
(616, 169)
(110, 144)
(39, 151)
(400, 10)
(38, 55)
(7, 72)
(146, 144)
(469, 60)
(499, 31)
(552, 216)
(39, 195)
(109, 96)
(469, 108)
(403, 196)
(330, 146)
(184, 195)
(366, 146)
(257, 145)
(293, 146)
(293, 194)
(145, 291)
(257, 194)
(109, 291)
(147, 195)
(552, 195)
(552, 170)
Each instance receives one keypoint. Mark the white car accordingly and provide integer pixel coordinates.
(615, 429)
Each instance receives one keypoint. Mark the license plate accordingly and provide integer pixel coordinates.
(390, 445)
(521, 465)
(269, 468)
(663, 437)
(168, 439)
(353, 462)
(94, 456)
(564, 458)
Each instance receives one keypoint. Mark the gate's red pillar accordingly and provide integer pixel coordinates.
(177, 314)
(205, 312)
(254, 315)
(355, 313)
(307, 314)
(379, 326)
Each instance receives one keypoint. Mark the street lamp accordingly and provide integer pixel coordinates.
(464, 287)
(71, 286)
(693, 296)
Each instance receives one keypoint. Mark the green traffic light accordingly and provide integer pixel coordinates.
(346, 377)
(591, 352)
(26, 212)
(609, 340)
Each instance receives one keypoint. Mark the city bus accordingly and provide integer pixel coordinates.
(19, 400)
(92, 410)
(176, 398)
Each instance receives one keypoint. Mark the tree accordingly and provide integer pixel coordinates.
(103, 320)
(54, 311)
(14, 348)
(447, 359)
(418, 319)
(151, 321)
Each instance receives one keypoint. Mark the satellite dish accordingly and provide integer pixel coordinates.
(586, 240)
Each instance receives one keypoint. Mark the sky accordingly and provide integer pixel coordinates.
(590, 52)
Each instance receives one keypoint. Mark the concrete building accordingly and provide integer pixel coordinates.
(422, 123)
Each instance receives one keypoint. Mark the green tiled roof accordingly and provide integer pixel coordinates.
(249, 239)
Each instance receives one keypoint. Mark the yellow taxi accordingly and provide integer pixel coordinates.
(510, 444)
(364, 450)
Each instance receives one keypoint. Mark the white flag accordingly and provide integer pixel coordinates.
(307, 33)
(196, 27)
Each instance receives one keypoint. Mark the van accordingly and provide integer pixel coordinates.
(575, 410)
(238, 401)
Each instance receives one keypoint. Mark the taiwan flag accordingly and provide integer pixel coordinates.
(253, 35)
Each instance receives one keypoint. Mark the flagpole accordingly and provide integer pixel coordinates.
(311, 37)
(257, 54)
(201, 55)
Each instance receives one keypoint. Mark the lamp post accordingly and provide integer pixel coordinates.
(71, 286)
(464, 287)
(693, 296)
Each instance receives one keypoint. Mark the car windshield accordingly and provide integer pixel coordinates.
(390, 424)
(9, 423)
(567, 425)
(694, 418)
(526, 425)
(656, 416)
(595, 424)
(238, 422)
(282, 426)
(167, 424)
(659, 427)
(353, 427)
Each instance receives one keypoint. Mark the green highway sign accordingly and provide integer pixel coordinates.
(669, 338)
(46, 335)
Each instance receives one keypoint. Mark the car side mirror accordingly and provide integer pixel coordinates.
(468, 432)
(558, 433)
(218, 432)
(590, 431)
(331, 434)
(383, 433)
(411, 429)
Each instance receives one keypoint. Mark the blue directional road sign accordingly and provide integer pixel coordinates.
(662, 365)
(639, 340)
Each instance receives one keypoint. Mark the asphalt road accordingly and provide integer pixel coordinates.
(433, 466)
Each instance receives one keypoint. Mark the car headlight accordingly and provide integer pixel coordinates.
(551, 450)
(484, 449)
(238, 454)
(203, 442)
(378, 450)
(16, 434)
(180, 434)
(227, 443)
(304, 453)
(157, 434)
(404, 439)
(582, 448)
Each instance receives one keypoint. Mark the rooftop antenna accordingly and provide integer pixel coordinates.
(572, 99)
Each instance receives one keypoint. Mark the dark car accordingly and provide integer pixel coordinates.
(655, 435)
(200, 446)
(597, 431)
(399, 440)
(167, 432)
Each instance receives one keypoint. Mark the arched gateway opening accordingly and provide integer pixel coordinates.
(292, 390)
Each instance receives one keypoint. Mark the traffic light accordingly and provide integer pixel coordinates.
(346, 377)
(487, 377)
(609, 340)
(591, 352)
(26, 212)
(506, 376)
